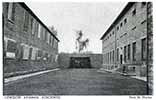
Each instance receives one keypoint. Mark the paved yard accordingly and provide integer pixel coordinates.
(76, 82)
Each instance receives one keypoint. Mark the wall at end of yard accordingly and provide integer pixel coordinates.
(64, 59)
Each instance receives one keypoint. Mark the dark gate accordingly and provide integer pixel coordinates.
(80, 62)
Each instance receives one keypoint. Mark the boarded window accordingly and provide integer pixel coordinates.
(30, 53)
(11, 49)
(26, 52)
(34, 52)
(11, 46)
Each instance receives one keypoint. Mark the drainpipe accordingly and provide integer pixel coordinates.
(147, 50)
(115, 53)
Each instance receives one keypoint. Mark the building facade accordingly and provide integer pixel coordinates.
(26, 38)
(124, 44)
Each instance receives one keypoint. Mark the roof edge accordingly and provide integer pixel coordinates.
(33, 14)
(122, 13)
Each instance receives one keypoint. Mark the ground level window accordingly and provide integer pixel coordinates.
(143, 49)
(134, 51)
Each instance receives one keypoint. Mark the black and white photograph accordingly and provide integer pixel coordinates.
(77, 48)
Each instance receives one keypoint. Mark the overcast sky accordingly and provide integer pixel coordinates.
(93, 18)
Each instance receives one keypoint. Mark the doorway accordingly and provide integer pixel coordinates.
(80, 62)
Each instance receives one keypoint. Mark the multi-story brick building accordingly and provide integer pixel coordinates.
(124, 43)
(26, 39)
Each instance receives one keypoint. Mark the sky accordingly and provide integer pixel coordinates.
(93, 18)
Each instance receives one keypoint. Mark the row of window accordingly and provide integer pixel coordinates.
(36, 29)
(124, 22)
(25, 52)
(110, 56)
(124, 33)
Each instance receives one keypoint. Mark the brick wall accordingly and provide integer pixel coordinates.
(26, 49)
(134, 29)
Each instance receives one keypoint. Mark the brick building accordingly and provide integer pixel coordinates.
(28, 44)
(124, 44)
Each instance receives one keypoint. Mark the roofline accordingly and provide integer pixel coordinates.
(33, 14)
(122, 13)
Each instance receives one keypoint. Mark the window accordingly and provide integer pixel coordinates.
(125, 20)
(117, 54)
(113, 32)
(117, 27)
(45, 35)
(129, 51)
(33, 26)
(113, 56)
(143, 4)
(53, 42)
(30, 53)
(120, 24)
(125, 52)
(11, 46)
(34, 52)
(110, 57)
(26, 52)
(134, 28)
(39, 31)
(26, 21)
(48, 35)
(36, 29)
(39, 53)
(143, 21)
(143, 49)
(134, 51)
(50, 39)
(11, 11)
(134, 12)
